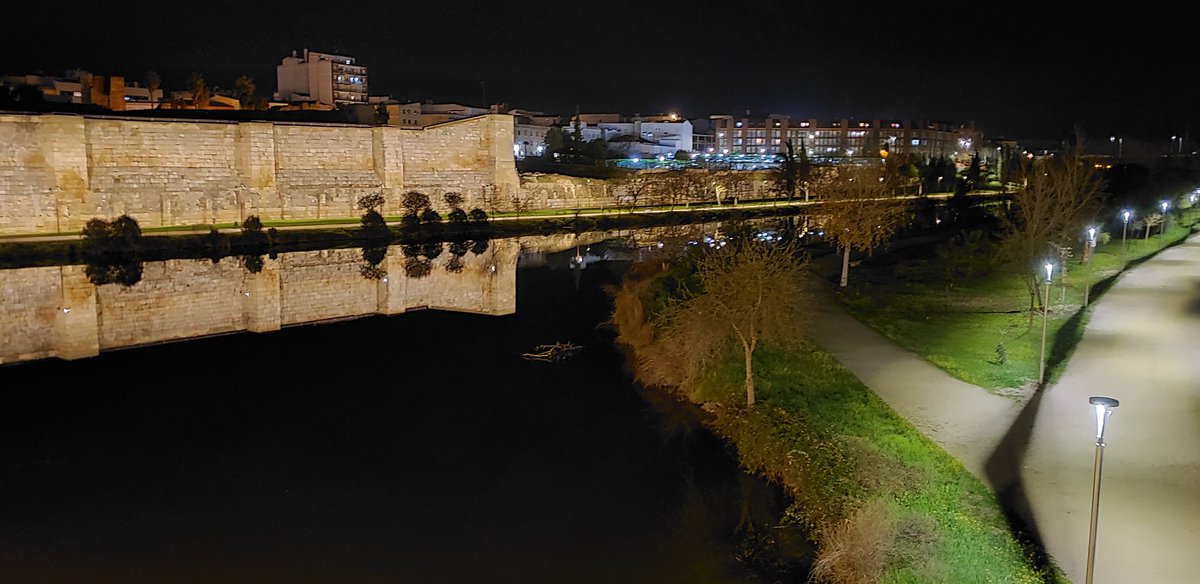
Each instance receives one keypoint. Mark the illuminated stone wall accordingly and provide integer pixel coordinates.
(58, 171)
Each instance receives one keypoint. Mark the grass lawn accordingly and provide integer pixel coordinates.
(863, 478)
(882, 502)
(958, 325)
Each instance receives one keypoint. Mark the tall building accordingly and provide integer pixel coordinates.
(843, 140)
(321, 78)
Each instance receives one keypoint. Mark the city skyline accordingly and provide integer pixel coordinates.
(1016, 76)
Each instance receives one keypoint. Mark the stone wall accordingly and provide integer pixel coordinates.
(57, 171)
(57, 312)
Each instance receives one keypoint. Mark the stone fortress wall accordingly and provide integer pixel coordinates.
(58, 171)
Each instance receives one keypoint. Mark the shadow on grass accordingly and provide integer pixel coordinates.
(1003, 470)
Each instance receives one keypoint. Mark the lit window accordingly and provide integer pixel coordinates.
(916, 142)
(803, 124)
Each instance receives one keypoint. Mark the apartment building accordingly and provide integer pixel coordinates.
(322, 78)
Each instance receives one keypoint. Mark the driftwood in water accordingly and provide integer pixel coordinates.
(555, 352)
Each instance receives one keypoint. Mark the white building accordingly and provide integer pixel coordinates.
(639, 138)
(321, 78)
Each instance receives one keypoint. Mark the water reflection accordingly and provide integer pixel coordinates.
(75, 311)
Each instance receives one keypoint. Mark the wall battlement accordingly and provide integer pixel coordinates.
(58, 171)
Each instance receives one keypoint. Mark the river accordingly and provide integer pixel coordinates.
(413, 446)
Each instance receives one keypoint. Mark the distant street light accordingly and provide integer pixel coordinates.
(1104, 407)
(1045, 319)
(1120, 146)
(1088, 257)
(1178, 139)
(1163, 228)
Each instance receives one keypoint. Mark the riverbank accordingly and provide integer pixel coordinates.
(881, 501)
(227, 240)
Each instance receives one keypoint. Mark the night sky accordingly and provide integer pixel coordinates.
(1020, 70)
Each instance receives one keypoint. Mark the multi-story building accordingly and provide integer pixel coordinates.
(843, 140)
(636, 136)
(82, 87)
(322, 78)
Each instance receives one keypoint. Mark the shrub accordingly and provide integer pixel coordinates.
(457, 216)
(374, 227)
(477, 215)
(430, 216)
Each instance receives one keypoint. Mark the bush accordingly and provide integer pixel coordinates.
(457, 216)
(121, 236)
(414, 202)
(430, 216)
(252, 233)
(477, 215)
(374, 227)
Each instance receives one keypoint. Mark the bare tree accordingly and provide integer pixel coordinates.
(636, 185)
(1059, 197)
(1149, 221)
(750, 292)
(860, 211)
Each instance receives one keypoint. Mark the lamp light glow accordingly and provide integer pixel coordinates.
(1049, 271)
(1104, 407)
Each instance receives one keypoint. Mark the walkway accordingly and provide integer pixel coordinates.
(1141, 346)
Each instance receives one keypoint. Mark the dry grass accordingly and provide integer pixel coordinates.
(856, 550)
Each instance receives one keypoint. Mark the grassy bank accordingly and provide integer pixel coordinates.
(978, 328)
(882, 502)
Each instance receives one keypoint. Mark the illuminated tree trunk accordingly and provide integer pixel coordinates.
(748, 351)
(845, 266)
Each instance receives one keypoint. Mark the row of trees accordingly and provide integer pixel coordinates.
(750, 292)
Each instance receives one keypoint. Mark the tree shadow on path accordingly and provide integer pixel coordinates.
(1003, 470)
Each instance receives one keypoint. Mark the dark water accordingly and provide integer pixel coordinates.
(412, 448)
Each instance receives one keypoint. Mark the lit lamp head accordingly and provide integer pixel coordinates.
(1091, 233)
(1126, 216)
(1164, 205)
(1104, 407)
(1049, 270)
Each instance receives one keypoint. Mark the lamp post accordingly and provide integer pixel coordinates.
(1104, 407)
(1120, 146)
(1124, 229)
(1179, 140)
(1088, 253)
(1163, 228)
(1045, 318)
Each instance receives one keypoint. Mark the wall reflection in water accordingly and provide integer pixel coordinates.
(76, 311)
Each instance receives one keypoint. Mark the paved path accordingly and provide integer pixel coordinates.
(1141, 346)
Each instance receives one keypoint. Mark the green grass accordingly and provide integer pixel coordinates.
(854, 448)
(838, 449)
(958, 325)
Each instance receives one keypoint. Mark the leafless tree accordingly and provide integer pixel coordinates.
(1059, 197)
(860, 211)
(749, 293)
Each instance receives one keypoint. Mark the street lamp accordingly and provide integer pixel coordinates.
(1178, 139)
(1045, 318)
(1104, 407)
(1088, 253)
(1126, 213)
(1120, 146)
(1163, 228)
